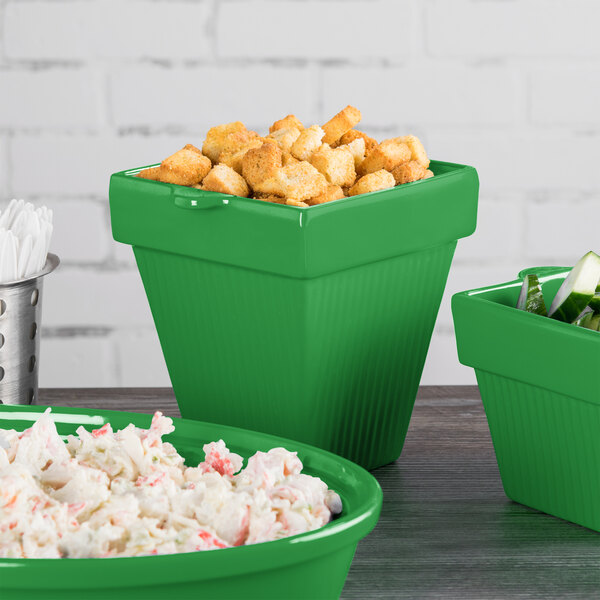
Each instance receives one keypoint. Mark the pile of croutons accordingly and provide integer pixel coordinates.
(295, 165)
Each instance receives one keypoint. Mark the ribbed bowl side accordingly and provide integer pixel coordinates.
(333, 361)
(369, 332)
(547, 446)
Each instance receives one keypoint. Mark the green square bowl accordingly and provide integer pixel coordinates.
(310, 323)
(540, 389)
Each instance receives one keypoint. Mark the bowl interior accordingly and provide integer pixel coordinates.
(507, 294)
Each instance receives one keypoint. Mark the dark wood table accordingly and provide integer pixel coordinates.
(446, 530)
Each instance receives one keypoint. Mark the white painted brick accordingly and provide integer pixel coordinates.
(120, 30)
(82, 297)
(76, 165)
(76, 362)
(141, 362)
(123, 254)
(81, 231)
(492, 153)
(53, 98)
(499, 232)
(442, 366)
(568, 96)
(525, 161)
(206, 96)
(561, 233)
(468, 276)
(432, 95)
(4, 167)
(474, 29)
(309, 30)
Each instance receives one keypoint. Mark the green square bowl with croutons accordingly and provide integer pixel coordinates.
(311, 323)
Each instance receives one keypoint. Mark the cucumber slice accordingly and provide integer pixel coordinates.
(595, 301)
(577, 289)
(589, 321)
(584, 319)
(531, 297)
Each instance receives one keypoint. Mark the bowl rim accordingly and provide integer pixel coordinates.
(449, 169)
(546, 273)
(493, 336)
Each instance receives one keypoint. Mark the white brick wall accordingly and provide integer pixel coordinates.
(313, 30)
(434, 94)
(74, 31)
(89, 87)
(50, 99)
(556, 92)
(474, 29)
(199, 97)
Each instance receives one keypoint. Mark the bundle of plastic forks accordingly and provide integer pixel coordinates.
(25, 234)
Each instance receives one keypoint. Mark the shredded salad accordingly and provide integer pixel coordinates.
(110, 493)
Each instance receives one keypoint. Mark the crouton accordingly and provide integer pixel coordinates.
(186, 167)
(410, 171)
(193, 149)
(152, 173)
(354, 134)
(286, 123)
(287, 159)
(379, 180)
(385, 156)
(239, 139)
(285, 137)
(417, 151)
(216, 137)
(337, 164)
(299, 181)
(225, 180)
(307, 142)
(357, 149)
(261, 163)
(333, 192)
(337, 126)
(234, 160)
(294, 202)
(236, 146)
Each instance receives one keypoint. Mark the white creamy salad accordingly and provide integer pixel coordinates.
(110, 493)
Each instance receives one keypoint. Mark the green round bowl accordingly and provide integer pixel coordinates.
(311, 565)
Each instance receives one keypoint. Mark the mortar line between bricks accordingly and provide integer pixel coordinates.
(56, 331)
(421, 11)
(2, 38)
(99, 267)
(564, 130)
(116, 360)
(211, 28)
(9, 165)
(48, 64)
(423, 60)
(107, 94)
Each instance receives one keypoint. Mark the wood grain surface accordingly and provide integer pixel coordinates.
(446, 529)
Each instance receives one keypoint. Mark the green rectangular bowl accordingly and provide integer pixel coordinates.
(540, 388)
(310, 323)
(308, 566)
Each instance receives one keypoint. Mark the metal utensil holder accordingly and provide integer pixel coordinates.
(20, 321)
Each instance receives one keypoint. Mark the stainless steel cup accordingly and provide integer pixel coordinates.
(20, 321)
